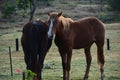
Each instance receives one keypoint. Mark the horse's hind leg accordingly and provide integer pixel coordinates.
(26, 50)
(100, 57)
(88, 61)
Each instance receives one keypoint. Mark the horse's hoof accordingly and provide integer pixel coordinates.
(102, 77)
(85, 78)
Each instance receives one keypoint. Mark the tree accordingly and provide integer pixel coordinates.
(32, 4)
(8, 10)
(32, 8)
(24, 4)
(9, 7)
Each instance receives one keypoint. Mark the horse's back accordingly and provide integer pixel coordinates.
(86, 31)
(33, 32)
(88, 24)
(25, 35)
(97, 26)
(93, 21)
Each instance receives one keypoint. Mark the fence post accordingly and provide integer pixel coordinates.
(108, 44)
(23, 75)
(17, 44)
(10, 61)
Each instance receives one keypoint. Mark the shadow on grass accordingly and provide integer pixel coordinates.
(9, 77)
(114, 78)
(3, 77)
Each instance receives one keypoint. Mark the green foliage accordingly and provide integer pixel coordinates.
(114, 5)
(23, 4)
(102, 16)
(30, 74)
(109, 18)
(8, 10)
(117, 18)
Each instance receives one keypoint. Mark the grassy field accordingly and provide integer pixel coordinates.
(10, 31)
(112, 56)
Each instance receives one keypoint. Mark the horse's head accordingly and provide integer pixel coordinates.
(53, 22)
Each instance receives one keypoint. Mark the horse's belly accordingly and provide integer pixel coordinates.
(79, 46)
(82, 43)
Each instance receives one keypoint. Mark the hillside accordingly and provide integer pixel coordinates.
(73, 9)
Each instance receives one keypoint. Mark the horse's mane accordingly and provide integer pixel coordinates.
(65, 22)
(41, 21)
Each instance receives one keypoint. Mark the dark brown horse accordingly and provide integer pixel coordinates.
(35, 43)
(71, 35)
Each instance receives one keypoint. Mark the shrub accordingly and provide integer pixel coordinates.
(29, 74)
(8, 10)
(105, 17)
(114, 5)
(117, 18)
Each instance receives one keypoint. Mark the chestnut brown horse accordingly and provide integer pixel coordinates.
(79, 34)
(35, 44)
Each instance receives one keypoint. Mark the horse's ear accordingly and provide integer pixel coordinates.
(46, 23)
(48, 14)
(59, 14)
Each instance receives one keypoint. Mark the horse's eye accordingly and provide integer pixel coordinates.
(48, 21)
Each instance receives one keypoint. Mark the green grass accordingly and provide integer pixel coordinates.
(78, 64)
(7, 40)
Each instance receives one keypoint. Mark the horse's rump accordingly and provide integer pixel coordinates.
(86, 31)
(91, 21)
(35, 45)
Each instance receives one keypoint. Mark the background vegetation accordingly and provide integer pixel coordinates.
(10, 9)
(114, 5)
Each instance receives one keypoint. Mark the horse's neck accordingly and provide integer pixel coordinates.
(64, 23)
(61, 32)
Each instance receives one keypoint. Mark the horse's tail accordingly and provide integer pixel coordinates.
(100, 53)
(33, 47)
(99, 29)
(100, 40)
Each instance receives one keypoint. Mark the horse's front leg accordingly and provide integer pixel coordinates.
(88, 61)
(69, 55)
(64, 61)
